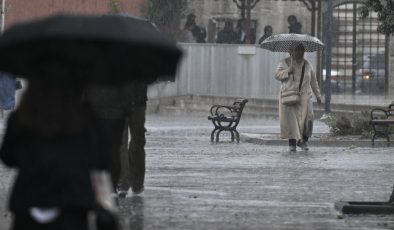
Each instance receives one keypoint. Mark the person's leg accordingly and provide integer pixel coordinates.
(137, 149)
(124, 184)
(308, 126)
(113, 129)
(292, 144)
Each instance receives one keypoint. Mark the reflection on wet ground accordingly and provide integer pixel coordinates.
(194, 184)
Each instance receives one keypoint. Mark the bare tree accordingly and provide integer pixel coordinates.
(165, 14)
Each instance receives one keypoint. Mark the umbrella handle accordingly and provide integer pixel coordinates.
(291, 64)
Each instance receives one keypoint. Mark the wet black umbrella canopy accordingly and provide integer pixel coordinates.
(100, 49)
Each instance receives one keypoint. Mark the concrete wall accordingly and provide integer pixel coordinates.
(225, 70)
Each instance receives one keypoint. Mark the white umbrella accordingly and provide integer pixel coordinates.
(286, 42)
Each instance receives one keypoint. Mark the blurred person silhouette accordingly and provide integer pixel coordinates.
(267, 32)
(198, 33)
(227, 35)
(296, 121)
(132, 153)
(54, 141)
(294, 25)
(252, 35)
(186, 34)
(120, 109)
(201, 35)
(241, 35)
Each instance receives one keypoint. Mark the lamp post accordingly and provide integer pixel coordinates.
(328, 29)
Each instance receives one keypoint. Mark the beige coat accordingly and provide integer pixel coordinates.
(296, 120)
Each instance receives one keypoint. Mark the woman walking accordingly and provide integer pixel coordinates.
(296, 121)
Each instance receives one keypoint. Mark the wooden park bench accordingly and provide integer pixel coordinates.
(381, 119)
(226, 118)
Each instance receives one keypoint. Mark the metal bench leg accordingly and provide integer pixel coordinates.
(236, 132)
(232, 135)
(213, 134)
(217, 135)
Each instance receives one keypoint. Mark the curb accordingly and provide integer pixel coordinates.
(317, 140)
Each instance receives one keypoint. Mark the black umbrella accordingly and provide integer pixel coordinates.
(110, 48)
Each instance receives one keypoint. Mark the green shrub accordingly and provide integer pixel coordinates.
(355, 124)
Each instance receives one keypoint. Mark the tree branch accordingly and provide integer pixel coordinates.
(306, 4)
(238, 5)
(254, 4)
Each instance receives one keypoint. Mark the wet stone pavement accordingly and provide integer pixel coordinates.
(192, 183)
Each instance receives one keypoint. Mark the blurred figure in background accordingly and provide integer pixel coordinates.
(294, 25)
(267, 32)
(227, 35)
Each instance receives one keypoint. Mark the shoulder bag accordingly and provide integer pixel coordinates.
(293, 97)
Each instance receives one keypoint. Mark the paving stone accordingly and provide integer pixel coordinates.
(192, 183)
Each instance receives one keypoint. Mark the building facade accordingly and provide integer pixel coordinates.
(21, 10)
(212, 13)
(361, 57)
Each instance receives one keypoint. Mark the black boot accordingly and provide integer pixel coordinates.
(292, 145)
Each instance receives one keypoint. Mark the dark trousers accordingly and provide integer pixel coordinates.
(113, 130)
(133, 153)
(67, 220)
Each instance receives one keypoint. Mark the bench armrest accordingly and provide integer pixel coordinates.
(379, 114)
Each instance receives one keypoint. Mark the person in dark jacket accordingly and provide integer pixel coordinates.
(227, 35)
(267, 33)
(54, 142)
(295, 26)
(120, 109)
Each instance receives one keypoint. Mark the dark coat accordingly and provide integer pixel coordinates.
(53, 171)
(112, 102)
(228, 37)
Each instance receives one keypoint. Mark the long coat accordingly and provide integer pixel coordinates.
(53, 171)
(296, 120)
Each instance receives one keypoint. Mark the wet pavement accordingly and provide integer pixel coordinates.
(192, 183)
